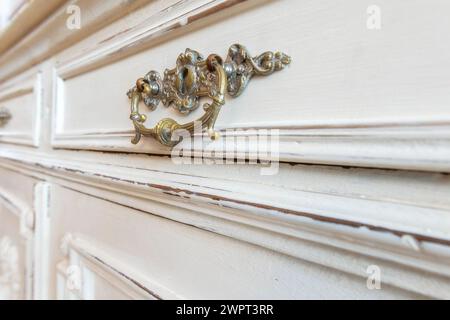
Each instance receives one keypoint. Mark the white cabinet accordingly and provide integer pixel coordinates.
(353, 205)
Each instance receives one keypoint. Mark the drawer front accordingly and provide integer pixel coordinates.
(16, 236)
(21, 101)
(351, 87)
(99, 249)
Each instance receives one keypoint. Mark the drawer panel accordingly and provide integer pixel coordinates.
(101, 249)
(349, 86)
(22, 101)
(16, 236)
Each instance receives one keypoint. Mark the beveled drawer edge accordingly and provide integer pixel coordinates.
(383, 145)
(144, 35)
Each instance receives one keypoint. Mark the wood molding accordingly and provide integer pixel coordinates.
(29, 16)
(294, 222)
(101, 260)
(28, 83)
(41, 280)
(25, 215)
(52, 36)
(149, 32)
(380, 143)
(21, 210)
(373, 146)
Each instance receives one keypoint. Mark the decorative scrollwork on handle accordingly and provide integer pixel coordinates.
(193, 78)
(5, 115)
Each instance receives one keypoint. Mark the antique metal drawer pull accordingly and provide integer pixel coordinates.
(5, 115)
(193, 78)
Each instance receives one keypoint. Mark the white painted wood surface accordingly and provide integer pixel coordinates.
(16, 237)
(19, 17)
(185, 262)
(52, 35)
(131, 223)
(22, 99)
(348, 89)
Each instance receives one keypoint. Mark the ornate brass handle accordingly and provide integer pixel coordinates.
(193, 78)
(5, 115)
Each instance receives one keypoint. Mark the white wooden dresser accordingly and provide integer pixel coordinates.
(327, 178)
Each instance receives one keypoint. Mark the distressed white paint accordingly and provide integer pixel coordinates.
(22, 98)
(139, 226)
(191, 262)
(347, 89)
(41, 243)
(16, 238)
(296, 236)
